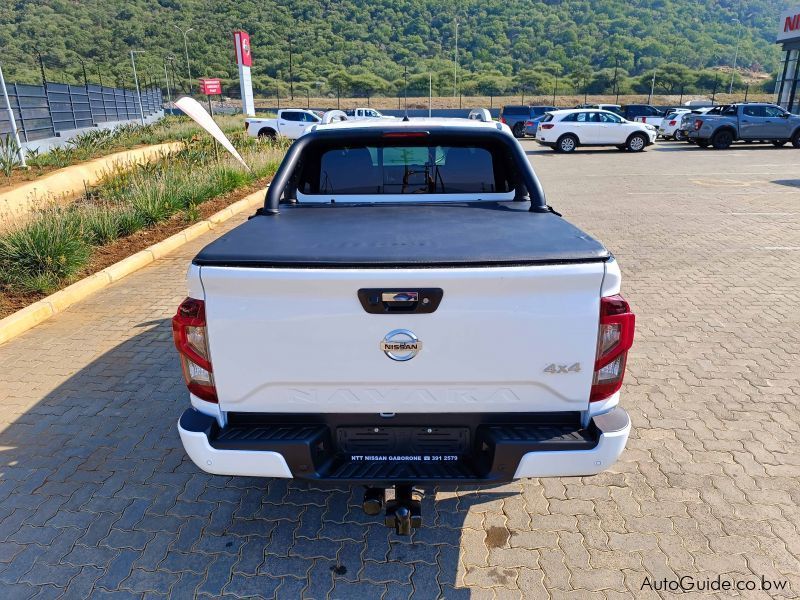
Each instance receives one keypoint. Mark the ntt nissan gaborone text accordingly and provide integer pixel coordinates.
(406, 309)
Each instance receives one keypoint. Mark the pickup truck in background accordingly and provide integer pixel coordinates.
(615, 108)
(752, 121)
(290, 123)
(687, 119)
(405, 310)
(643, 113)
(517, 116)
(357, 114)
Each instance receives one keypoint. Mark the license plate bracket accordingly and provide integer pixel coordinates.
(404, 441)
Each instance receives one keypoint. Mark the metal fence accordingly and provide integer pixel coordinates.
(45, 111)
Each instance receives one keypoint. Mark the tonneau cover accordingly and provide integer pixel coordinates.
(470, 234)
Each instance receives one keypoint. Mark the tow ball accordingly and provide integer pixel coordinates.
(404, 512)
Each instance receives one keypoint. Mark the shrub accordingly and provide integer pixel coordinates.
(97, 142)
(53, 247)
(151, 204)
(129, 221)
(101, 224)
(43, 253)
(9, 155)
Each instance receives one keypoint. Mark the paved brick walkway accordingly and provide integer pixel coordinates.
(97, 497)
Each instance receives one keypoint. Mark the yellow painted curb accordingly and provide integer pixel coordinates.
(128, 265)
(30, 316)
(22, 320)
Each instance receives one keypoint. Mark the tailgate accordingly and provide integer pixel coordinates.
(503, 339)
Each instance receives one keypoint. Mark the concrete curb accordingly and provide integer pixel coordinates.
(62, 185)
(38, 312)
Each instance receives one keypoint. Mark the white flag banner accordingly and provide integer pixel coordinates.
(194, 109)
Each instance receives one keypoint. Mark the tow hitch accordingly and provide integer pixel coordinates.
(404, 512)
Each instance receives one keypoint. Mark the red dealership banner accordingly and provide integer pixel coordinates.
(244, 59)
(241, 40)
(210, 87)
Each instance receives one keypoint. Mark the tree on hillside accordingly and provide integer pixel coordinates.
(534, 82)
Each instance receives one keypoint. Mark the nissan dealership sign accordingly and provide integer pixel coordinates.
(789, 25)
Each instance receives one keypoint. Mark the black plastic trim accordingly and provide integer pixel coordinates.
(425, 301)
(471, 447)
(291, 160)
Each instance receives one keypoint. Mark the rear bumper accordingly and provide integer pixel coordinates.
(340, 448)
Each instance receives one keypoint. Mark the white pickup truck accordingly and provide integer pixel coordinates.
(358, 114)
(405, 309)
(290, 123)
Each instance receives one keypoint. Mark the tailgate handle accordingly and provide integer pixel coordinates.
(395, 298)
(400, 300)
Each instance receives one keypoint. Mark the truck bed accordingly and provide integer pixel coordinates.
(422, 235)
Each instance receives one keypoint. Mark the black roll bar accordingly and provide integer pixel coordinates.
(440, 134)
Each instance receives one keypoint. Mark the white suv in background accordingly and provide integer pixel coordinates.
(565, 130)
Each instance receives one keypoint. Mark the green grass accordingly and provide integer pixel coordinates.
(55, 246)
(99, 142)
(47, 251)
(9, 155)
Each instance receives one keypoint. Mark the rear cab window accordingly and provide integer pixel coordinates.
(516, 111)
(540, 110)
(397, 170)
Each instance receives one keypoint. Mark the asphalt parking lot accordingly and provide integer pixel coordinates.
(97, 497)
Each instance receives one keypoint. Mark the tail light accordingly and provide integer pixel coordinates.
(613, 342)
(502, 119)
(191, 339)
(528, 123)
(697, 124)
(547, 125)
(672, 123)
(644, 119)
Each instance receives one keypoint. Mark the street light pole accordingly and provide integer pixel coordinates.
(186, 50)
(455, 65)
(652, 87)
(85, 79)
(555, 89)
(136, 80)
(12, 121)
(405, 87)
(166, 79)
(291, 73)
(41, 67)
(736, 54)
(430, 92)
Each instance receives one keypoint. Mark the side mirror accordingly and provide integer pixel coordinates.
(785, 116)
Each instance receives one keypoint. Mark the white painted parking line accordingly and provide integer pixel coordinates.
(776, 248)
(728, 194)
(765, 214)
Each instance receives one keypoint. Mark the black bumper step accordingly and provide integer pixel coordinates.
(364, 449)
(399, 471)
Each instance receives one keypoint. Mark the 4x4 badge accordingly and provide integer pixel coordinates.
(555, 369)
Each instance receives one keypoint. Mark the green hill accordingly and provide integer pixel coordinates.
(362, 47)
